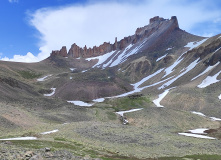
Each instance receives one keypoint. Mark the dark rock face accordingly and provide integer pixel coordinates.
(156, 22)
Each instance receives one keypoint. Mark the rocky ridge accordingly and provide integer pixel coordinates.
(154, 24)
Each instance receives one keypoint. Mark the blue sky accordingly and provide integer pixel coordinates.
(30, 29)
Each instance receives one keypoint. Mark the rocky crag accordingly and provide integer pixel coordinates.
(154, 24)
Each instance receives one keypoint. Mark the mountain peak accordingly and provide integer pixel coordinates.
(156, 19)
(155, 24)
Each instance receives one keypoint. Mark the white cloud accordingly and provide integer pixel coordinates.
(95, 23)
(13, 1)
(29, 57)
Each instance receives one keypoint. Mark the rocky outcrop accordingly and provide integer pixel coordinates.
(37, 154)
(75, 51)
(155, 19)
(203, 51)
(62, 52)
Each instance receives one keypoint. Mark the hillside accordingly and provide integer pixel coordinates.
(167, 81)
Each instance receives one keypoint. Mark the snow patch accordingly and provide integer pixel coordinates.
(120, 57)
(195, 135)
(161, 57)
(217, 50)
(128, 93)
(161, 96)
(209, 80)
(121, 113)
(136, 89)
(49, 132)
(125, 54)
(84, 71)
(205, 71)
(199, 113)
(99, 100)
(71, 77)
(171, 68)
(199, 131)
(168, 49)
(101, 59)
(19, 138)
(219, 96)
(189, 68)
(44, 78)
(192, 45)
(134, 51)
(136, 85)
(81, 103)
(108, 63)
(52, 93)
(72, 69)
(215, 119)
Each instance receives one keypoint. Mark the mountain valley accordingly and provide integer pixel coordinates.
(143, 97)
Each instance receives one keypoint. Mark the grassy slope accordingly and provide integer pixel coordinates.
(152, 132)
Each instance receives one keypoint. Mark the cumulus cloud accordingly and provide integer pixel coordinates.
(96, 22)
(29, 57)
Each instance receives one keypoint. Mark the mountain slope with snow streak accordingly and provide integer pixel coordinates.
(154, 73)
